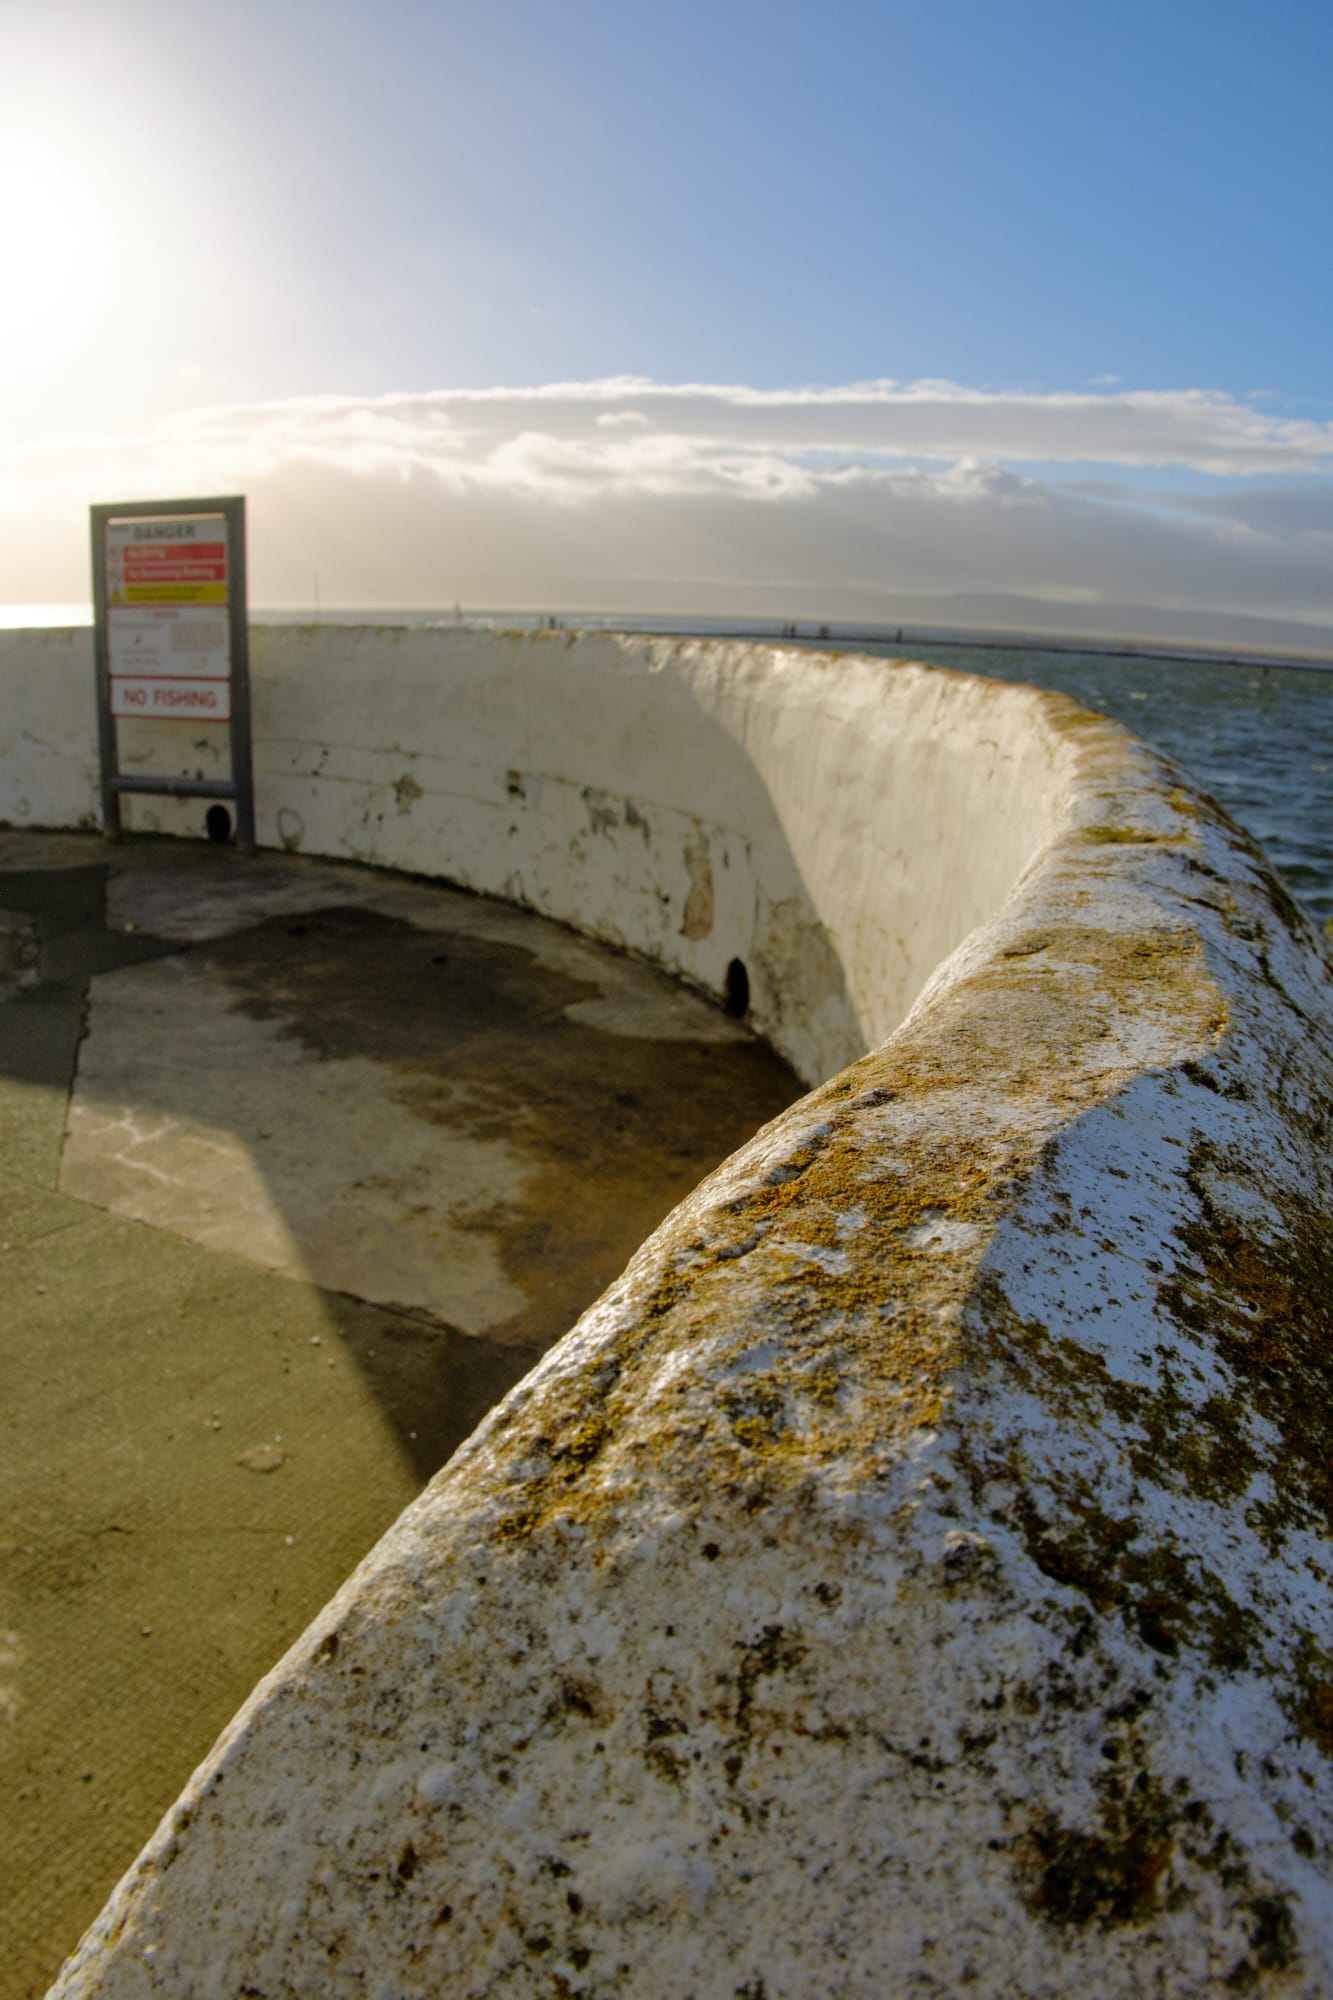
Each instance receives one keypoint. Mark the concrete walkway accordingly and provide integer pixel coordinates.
(301, 1166)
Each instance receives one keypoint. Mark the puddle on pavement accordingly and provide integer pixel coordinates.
(476, 1039)
(424, 1119)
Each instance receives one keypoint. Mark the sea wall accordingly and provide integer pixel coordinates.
(913, 1575)
(834, 828)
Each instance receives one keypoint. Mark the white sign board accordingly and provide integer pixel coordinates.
(171, 642)
(167, 627)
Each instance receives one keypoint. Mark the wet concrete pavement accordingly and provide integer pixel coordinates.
(301, 1166)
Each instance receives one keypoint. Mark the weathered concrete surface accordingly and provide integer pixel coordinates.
(913, 1575)
(221, 1092)
(837, 825)
(313, 1055)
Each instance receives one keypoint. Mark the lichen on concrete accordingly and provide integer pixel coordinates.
(912, 1576)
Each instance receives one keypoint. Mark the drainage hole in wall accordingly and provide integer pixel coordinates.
(738, 990)
(218, 821)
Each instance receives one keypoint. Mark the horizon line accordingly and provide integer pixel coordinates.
(807, 630)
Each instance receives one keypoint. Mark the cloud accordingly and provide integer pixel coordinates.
(573, 440)
(871, 423)
(1281, 511)
(625, 494)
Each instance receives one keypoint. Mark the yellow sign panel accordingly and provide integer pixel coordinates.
(174, 593)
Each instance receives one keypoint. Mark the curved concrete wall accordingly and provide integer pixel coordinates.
(838, 826)
(913, 1576)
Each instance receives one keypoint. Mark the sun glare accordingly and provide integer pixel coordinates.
(48, 235)
(59, 238)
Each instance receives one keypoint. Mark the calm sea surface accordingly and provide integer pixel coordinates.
(1260, 739)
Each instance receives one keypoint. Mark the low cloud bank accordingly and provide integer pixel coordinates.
(920, 503)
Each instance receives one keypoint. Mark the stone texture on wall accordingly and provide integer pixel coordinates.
(913, 1575)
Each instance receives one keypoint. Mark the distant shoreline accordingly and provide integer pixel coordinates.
(805, 632)
(800, 631)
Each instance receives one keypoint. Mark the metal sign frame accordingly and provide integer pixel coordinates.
(240, 786)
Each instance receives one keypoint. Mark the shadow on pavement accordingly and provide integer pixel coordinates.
(290, 1199)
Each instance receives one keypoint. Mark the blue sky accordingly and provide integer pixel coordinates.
(1104, 229)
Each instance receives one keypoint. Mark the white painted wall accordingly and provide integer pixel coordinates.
(48, 729)
(838, 824)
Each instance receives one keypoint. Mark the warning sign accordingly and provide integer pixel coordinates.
(166, 589)
(171, 561)
(171, 640)
(199, 700)
(164, 639)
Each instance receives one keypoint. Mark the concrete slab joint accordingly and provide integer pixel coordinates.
(913, 1574)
